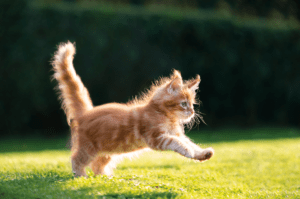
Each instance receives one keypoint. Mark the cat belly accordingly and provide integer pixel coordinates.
(112, 147)
(125, 153)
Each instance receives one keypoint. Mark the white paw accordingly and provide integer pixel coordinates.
(203, 155)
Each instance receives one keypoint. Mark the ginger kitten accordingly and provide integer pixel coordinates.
(102, 133)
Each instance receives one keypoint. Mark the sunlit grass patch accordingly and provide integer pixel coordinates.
(259, 167)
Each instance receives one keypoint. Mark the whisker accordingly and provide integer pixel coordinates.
(196, 120)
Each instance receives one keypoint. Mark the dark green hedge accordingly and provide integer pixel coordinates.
(249, 75)
(255, 8)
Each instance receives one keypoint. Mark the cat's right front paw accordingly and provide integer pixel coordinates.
(78, 174)
(204, 155)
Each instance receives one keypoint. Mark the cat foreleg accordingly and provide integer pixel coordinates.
(168, 142)
(200, 154)
(101, 165)
(184, 147)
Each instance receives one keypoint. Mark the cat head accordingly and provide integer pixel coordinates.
(177, 97)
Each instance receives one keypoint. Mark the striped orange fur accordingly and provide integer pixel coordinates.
(103, 133)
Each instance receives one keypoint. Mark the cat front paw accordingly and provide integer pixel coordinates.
(204, 154)
(76, 175)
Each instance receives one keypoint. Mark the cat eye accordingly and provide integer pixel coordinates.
(183, 104)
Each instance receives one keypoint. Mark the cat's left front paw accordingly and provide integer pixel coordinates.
(204, 154)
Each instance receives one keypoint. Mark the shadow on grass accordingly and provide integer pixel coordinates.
(145, 195)
(149, 194)
(37, 187)
(153, 167)
(28, 187)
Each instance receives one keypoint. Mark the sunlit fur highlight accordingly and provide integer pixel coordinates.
(102, 135)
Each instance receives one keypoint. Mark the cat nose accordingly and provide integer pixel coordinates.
(191, 112)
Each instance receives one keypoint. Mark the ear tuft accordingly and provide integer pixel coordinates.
(198, 78)
(176, 74)
(194, 84)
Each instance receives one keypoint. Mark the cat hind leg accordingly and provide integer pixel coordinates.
(80, 159)
(103, 164)
(83, 154)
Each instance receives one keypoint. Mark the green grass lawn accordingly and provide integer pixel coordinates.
(256, 163)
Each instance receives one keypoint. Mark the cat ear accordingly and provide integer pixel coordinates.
(174, 85)
(194, 84)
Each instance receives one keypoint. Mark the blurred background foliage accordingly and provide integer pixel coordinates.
(246, 52)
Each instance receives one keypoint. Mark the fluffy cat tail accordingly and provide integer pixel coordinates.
(73, 94)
